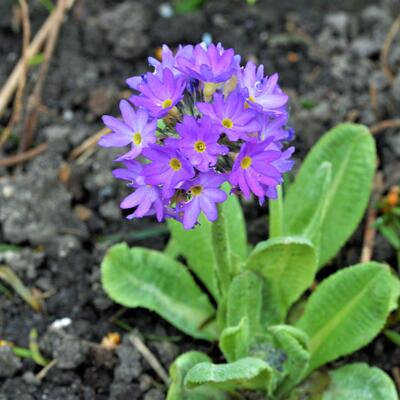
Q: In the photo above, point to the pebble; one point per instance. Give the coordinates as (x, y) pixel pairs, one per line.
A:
(10, 364)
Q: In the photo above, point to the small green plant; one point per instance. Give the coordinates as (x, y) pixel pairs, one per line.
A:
(274, 331)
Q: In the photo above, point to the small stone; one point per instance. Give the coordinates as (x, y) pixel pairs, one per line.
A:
(71, 353)
(165, 10)
(375, 15)
(30, 378)
(10, 364)
(123, 391)
(110, 211)
(8, 191)
(365, 47)
(154, 394)
(145, 382)
(339, 23)
(101, 100)
(129, 366)
(82, 212)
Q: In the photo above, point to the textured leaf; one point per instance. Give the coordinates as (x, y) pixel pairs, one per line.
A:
(248, 373)
(288, 266)
(351, 151)
(360, 382)
(294, 344)
(235, 341)
(245, 300)
(346, 311)
(177, 372)
(394, 300)
(196, 244)
(140, 277)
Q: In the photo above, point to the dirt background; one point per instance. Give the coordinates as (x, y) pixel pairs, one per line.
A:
(62, 215)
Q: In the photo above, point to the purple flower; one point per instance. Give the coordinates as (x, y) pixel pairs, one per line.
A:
(169, 167)
(242, 116)
(259, 165)
(212, 64)
(230, 116)
(198, 142)
(274, 127)
(205, 193)
(263, 93)
(159, 94)
(148, 201)
(132, 172)
(168, 60)
(136, 128)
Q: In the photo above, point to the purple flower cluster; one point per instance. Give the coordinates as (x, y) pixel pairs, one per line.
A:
(197, 121)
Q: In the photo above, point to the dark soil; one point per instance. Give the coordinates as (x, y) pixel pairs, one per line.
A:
(63, 217)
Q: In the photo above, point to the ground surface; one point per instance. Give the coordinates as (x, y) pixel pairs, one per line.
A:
(64, 217)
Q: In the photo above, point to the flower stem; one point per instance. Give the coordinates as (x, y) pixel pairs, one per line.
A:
(222, 252)
(276, 215)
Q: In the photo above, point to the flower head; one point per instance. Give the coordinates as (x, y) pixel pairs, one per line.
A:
(136, 129)
(159, 95)
(198, 142)
(204, 193)
(212, 64)
(230, 116)
(200, 120)
(168, 61)
(259, 166)
(263, 93)
(168, 167)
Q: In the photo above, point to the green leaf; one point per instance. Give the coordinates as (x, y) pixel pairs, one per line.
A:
(288, 266)
(48, 4)
(195, 245)
(246, 373)
(393, 336)
(358, 381)
(294, 344)
(394, 299)
(9, 247)
(235, 341)
(37, 59)
(140, 277)
(177, 372)
(245, 300)
(351, 151)
(346, 311)
(11, 278)
(187, 6)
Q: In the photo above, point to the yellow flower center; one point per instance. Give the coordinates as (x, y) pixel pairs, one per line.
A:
(246, 162)
(137, 138)
(196, 190)
(175, 164)
(200, 146)
(249, 99)
(166, 103)
(227, 123)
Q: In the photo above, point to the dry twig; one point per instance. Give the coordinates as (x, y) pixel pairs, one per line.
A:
(23, 157)
(149, 357)
(88, 144)
(370, 230)
(387, 44)
(9, 87)
(396, 376)
(385, 124)
(43, 372)
(26, 37)
(34, 100)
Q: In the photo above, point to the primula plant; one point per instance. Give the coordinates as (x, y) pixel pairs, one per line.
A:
(203, 130)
